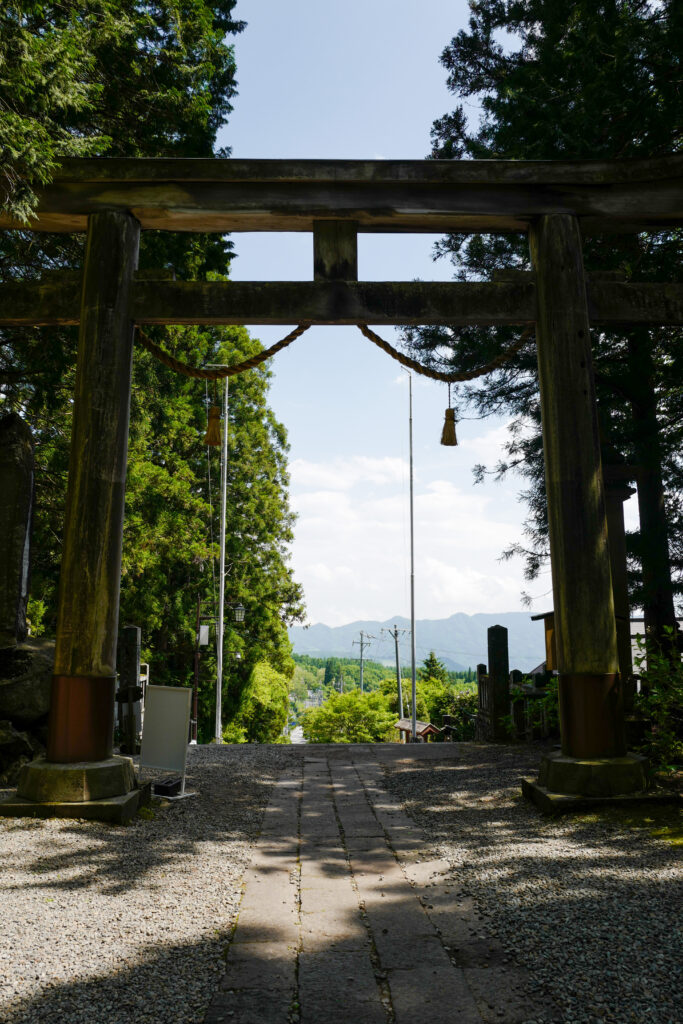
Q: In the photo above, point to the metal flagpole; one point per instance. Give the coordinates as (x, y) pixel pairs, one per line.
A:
(412, 564)
(221, 576)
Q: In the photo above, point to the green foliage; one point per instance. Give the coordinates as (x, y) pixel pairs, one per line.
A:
(35, 613)
(436, 698)
(389, 689)
(462, 706)
(542, 709)
(263, 708)
(48, 78)
(549, 705)
(299, 684)
(309, 664)
(234, 733)
(168, 556)
(108, 77)
(660, 701)
(146, 79)
(348, 669)
(351, 717)
(441, 698)
(332, 671)
(432, 668)
(436, 694)
(375, 671)
(298, 693)
(576, 79)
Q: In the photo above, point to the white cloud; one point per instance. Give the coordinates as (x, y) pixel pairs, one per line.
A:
(351, 549)
(341, 474)
(488, 448)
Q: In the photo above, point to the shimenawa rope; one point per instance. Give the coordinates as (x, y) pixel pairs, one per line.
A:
(249, 364)
(220, 372)
(448, 378)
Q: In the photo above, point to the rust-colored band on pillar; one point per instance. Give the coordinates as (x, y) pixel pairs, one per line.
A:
(592, 715)
(81, 719)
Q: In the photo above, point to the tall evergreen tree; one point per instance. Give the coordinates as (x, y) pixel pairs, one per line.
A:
(577, 80)
(144, 79)
(332, 671)
(433, 668)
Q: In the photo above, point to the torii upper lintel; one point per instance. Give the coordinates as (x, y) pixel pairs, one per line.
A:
(378, 195)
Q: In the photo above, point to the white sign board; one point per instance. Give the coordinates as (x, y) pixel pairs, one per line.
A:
(165, 728)
(203, 636)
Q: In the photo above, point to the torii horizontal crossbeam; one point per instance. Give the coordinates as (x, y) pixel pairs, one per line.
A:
(57, 301)
(377, 195)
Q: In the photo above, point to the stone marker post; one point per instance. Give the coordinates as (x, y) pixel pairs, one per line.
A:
(129, 684)
(499, 676)
(481, 730)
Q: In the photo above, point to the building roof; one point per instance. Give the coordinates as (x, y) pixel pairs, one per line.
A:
(423, 728)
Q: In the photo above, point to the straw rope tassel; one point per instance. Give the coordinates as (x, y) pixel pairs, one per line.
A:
(448, 433)
(448, 436)
(213, 430)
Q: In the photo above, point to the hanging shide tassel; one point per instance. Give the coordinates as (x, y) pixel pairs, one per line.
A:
(213, 430)
(448, 433)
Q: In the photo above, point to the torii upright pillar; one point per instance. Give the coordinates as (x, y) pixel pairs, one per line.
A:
(79, 766)
(594, 761)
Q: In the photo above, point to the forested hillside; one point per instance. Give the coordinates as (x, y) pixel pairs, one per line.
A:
(345, 714)
(460, 640)
(344, 673)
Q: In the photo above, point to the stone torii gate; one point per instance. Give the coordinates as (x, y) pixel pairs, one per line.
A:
(554, 202)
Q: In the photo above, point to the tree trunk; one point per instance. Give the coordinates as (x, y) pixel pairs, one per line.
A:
(658, 595)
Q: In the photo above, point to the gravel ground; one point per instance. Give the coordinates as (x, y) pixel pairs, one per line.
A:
(122, 925)
(113, 924)
(590, 904)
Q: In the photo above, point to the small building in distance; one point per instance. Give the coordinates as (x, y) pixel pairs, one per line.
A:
(425, 730)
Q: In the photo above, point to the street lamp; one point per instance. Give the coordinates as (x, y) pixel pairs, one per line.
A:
(239, 612)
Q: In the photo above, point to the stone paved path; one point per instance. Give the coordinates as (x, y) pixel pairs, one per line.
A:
(345, 918)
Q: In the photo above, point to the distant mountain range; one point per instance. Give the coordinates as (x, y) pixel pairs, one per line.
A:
(459, 641)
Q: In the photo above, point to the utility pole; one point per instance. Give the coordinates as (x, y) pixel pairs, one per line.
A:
(221, 588)
(195, 686)
(365, 641)
(412, 565)
(218, 730)
(394, 633)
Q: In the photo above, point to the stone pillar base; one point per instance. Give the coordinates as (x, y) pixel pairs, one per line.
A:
(603, 776)
(101, 790)
(570, 783)
(84, 780)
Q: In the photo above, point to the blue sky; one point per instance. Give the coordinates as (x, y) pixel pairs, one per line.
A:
(363, 80)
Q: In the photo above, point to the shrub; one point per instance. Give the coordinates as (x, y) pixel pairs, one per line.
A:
(661, 701)
(462, 705)
(263, 708)
(352, 717)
